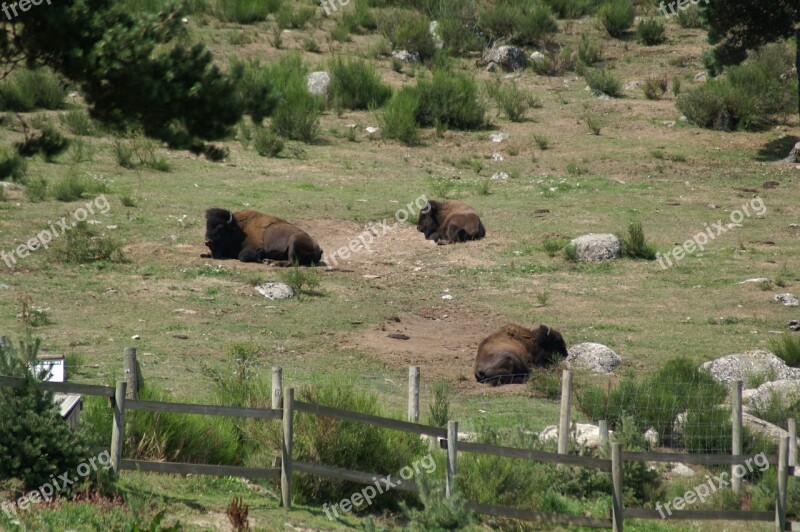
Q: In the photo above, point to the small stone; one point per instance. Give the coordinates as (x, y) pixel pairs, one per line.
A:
(371, 129)
(711, 206)
(757, 280)
(700, 76)
(497, 157)
(498, 137)
(535, 56)
(184, 311)
(600, 95)
(634, 85)
(500, 176)
(789, 300)
(406, 56)
(447, 297)
(399, 336)
(136, 337)
(682, 470)
(275, 291)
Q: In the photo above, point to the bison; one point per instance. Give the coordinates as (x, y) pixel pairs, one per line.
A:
(252, 236)
(448, 222)
(506, 356)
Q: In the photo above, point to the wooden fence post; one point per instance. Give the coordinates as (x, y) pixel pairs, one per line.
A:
(118, 428)
(736, 424)
(277, 387)
(131, 373)
(413, 394)
(783, 479)
(564, 418)
(452, 458)
(616, 487)
(792, 442)
(603, 428)
(286, 448)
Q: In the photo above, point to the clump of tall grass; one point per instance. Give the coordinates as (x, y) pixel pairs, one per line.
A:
(616, 16)
(604, 81)
(356, 85)
(84, 245)
(398, 118)
(74, 185)
(25, 90)
(246, 11)
(787, 348)
(12, 165)
(635, 245)
(513, 101)
(78, 122)
(408, 29)
(297, 115)
(650, 32)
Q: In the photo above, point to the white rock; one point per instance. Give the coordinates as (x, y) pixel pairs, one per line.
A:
(498, 137)
(500, 176)
(789, 300)
(596, 247)
(184, 311)
(758, 280)
(633, 85)
(406, 56)
(651, 437)
(497, 157)
(535, 56)
(433, 29)
(510, 58)
(318, 82)
(371, 129)
(682, 470)
(741, 366)
(786, 392)
(136, 337)
(275, 290)
(700, 76)
(585, 434)
(594, 357)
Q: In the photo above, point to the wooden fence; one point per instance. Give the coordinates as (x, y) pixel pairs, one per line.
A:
(284, 407)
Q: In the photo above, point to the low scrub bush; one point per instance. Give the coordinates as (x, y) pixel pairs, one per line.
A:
(303, 281)
(356, 85)
(289, 16)
(74, 185)
(604, 81)
(48, 142)
(459, 35)
(398, 118)
(616, 16)
(36, 189)
(78, 122)
(246, 11)
(85, 245)
(408, 30)
(12, 165)
(524, 23)
(440, 408)
(255, 86)
(267, 143)
(139, 151)
(656, 401)
(438, 511)
(511, 100)
(655, 87)
(750, 96)
(344, 444)
(634, 243)
(555, 62)
(572, 9)
(589, 52)
(690, 18)
(451, 100)
(650, 32)
(297, 115)
(25, 90)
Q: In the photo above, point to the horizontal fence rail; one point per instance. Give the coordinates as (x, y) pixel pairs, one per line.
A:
(700, 515)
(530, 454)
(377, 421)
(61, 387)
(180, 468)
(208, 410)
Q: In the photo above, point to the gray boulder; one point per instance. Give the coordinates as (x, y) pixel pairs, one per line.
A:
(789, 300)
(509, 58)
(318, 83)
(275, 290)
(741, 366)
(406, 56)
(597, 247)
(594, 357)
(786, 392)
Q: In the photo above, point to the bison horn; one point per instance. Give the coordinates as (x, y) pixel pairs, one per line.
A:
(548, 330)
(230, 221)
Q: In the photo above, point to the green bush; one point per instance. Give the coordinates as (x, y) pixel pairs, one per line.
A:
(524, 23)
(256, 88)
(604, 81)
(73, 186)
(634, 243)
(459, 36)
(84, 245)
(35, 443)
(297, 115)
(408, 30)
(324, 440)
(616, 16)
(139, 151)
(690, 18)
(12, 165)
(572, 9)
(36, 189)
(536, 23)
(288, 16)
(589, 52)
(398, 118)
(650, 32)
(440, 408)
(246, 11)
(554, 62)
(787, 348)
(356, 85)
(450, 99)
(513, 101)
(438, 512)
(750, 96)
(267, 143)
(655, 402)
(654, 87)
(25, 90)
(78, 122)
(49, 142)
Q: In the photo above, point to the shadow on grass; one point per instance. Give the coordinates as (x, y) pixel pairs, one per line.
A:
(777, 149)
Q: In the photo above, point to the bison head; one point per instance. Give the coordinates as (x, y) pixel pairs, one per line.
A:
(550, 346)
(428, 223)
(224, 237)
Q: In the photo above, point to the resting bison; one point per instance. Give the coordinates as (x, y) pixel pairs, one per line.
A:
(447, 222)
(252, 236)
(507, 355)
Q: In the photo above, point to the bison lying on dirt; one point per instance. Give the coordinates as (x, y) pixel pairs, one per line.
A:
(506, 356)
(252, 236)
(447, 222)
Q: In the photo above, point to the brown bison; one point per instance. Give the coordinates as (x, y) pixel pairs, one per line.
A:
(252, 236)
(448, 222)
(507, 355)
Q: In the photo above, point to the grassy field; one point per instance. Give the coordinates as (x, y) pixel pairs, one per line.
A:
(646, 165)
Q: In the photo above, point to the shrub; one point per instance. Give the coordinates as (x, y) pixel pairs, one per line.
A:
(604, 81)
(36, 189)
(12, 165)
(543, 141)
(297, 115)
(514, 102)
(356, 85)
(440, 408)
(408, 30)
(589, 53)
(656, 400)
(451, 100)
(78, 122)
(554, 62)
(84, 245)
(690, 18)
(523, 23)
(49, 142)
(552, 246)
(302, 280)
(288, 16)
(654, 87)
(345, 444)
(616, 16)
(438, 512)
(459, 36)
(650, 32)
(777, 409)
(572, 9)
(139, 151)
(398, 118)
(267, 143)
(594, 123)
(787, 348)
(73, 186)
(246, 11)
(750, 96)
(31, 423)
(634, 243)
(256, 88)
(25, 90)
(571, 252)
(536, 23)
